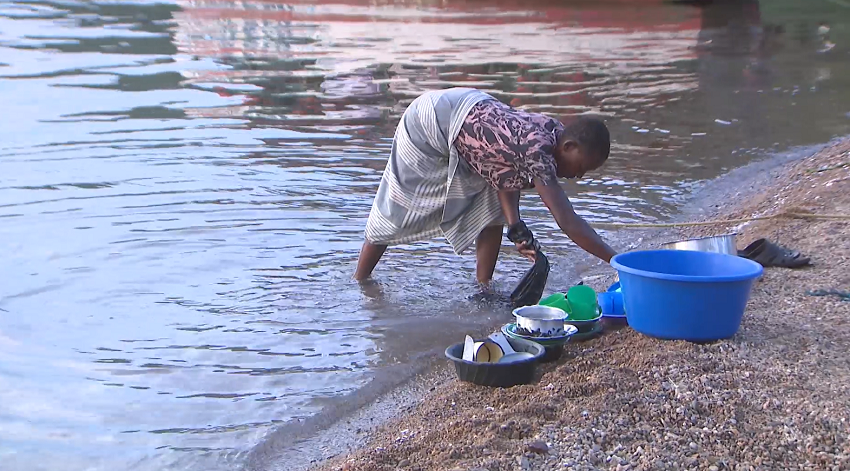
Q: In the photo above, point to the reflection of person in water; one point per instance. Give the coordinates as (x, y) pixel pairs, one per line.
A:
(459, 160)
(734, 44)
(730, 65)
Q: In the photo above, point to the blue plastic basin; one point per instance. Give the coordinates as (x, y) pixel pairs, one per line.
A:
(685, 295)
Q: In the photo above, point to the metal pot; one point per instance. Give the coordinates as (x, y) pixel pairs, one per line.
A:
(724, 243)
(540, 321)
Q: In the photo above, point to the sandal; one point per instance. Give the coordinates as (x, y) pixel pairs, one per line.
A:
(768, 254)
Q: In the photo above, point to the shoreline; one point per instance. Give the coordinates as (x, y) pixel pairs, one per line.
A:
(775, 396)
(346, 434)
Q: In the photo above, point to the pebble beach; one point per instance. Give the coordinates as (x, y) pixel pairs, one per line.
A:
(775, 396)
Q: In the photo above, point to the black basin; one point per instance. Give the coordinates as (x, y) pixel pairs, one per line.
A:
(500, 375)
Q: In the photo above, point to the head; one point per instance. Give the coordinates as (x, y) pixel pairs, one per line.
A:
(583, 146)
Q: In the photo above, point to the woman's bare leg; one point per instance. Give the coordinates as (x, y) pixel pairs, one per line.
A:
(487, 252)
(370, 254)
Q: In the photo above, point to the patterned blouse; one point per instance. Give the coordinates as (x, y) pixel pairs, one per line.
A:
(509, 147)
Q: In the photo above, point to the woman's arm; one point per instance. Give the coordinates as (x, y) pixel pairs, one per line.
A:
(571, 223)
(509, 199)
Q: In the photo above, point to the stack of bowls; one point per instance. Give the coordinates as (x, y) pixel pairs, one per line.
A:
(581, 305)
(611, 303)
(544, 325)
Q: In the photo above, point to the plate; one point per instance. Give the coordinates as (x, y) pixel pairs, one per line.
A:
(570, 330)
(512, 357)
(586, 321)
(594, 332)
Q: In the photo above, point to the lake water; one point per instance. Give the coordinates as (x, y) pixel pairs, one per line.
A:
(184, 187)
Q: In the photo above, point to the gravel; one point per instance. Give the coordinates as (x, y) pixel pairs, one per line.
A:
(776, 396)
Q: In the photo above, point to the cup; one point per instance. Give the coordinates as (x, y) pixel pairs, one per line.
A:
(500, 339)
(611, 303)
(487, 352)
(583, 303)
(557, 300)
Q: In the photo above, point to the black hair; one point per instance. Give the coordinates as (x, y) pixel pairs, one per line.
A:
(592, 136)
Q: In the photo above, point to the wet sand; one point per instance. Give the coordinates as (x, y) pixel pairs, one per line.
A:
(775, 396)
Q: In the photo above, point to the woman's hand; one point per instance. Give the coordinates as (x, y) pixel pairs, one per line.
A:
(521, 236)
(526, 250)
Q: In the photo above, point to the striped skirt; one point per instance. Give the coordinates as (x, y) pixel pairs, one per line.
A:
(426, 190)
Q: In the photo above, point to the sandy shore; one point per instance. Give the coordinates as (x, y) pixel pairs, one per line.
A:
(776, 396)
